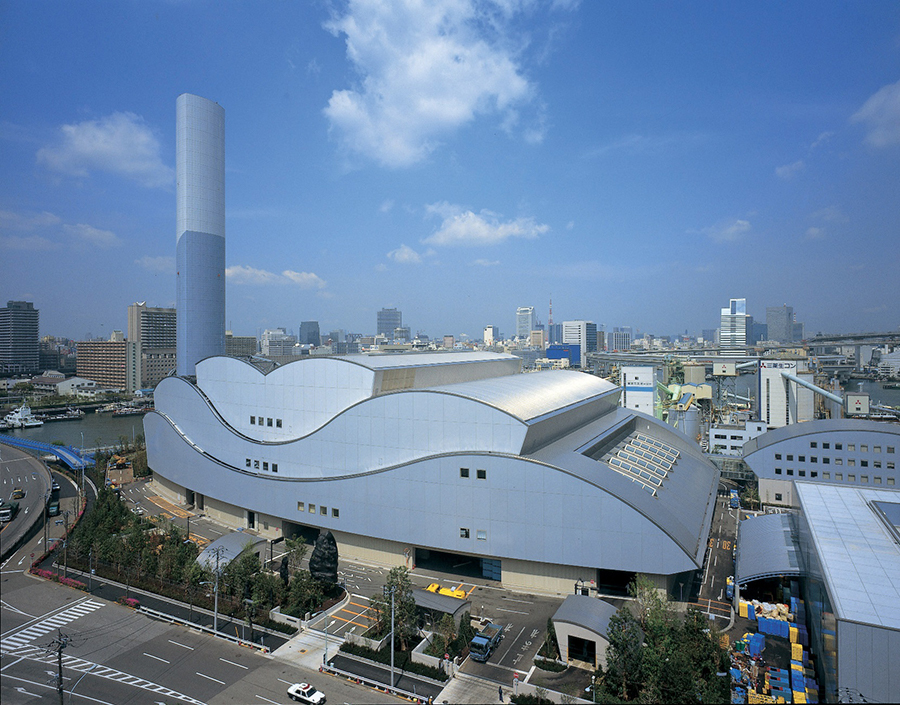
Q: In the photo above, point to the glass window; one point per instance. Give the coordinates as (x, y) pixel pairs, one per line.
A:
(876, 463)
(252, 420)
(481, 535)
(249, 462)
(778, 496)
(277, 423)
(876, 449)
(851, 478)
(777, 471)
(464, 472)
(813, 444)
(838, 446)
(777, 456)
(323, 511)
(877, 480)
(256, 465)
(790, 471)
(312, 508)
(268, 422)
(863, 463)
(482, 474)
(863, 448)
(335, 513)
(801, 459)
(851, 462)
(890, 449)
(863, 478)
(463, 533)
(265, 465)
(790, 457)
(890, 481)
(851, 446)
(274, 467)
(813, 473)
(813, 459)
(838, 461)
(826, 461)
(839, 476)
(301, 507)
(826, 475)
(802, 473)
(826, 446)
(890, 464)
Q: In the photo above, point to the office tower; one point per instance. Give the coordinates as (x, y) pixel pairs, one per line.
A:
(338, 335)
(538, 339)
(402, 333)
(734, 327)
(621, 338)
(200, 230)
(798, 331)
(782, 400)
(240, 345)
(491, 335)
(780, 322)
(276, 341)
(525, 321)
(388, 320)
(757, 332)
(153, 332)
(554, 332)
(19, 346)
(107, 362)
(309, 333)
(581, 333)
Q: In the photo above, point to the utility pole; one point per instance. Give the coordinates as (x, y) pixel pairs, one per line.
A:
(66, 546)
(61, 642)
(391, 589)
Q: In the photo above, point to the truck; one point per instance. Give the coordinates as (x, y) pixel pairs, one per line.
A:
(735, 499)
(485, 641)
(8, 511)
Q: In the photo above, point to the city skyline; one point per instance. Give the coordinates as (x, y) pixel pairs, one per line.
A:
(642, 164)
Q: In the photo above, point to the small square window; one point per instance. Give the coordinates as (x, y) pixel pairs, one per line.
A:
(268, 422)
(335, 513)
(813, 459)
(312, 508)
(890, 464)
(890, 481)
(839, 476)
(890, 449)
(864, 448)
(265, 465)
(839, 446)
(778, 496)
(463, 533)
(802, 473)
(851, 462)
(851, 446)
(248, 462)
(801, 459)
(790, 471)
(277, 423)
(838, 461)
(851, 478)
(256, 465)
(482, 474)
(301, 507)
(252, 420)
(826, 475)
(464, 472)
(481, 535)
(274, 467)
(876, 463)
(813, 473)
(323, 511)
(777, 471)
(826, 446)
(813, 444)
(790, 458)
(863, 478)
(876, 449)
(863, 463)
(777, 456)
(877, 480)
(826, 461)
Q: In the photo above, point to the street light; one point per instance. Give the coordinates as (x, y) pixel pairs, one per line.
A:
(385, 590)
(218, 552)
(325, 655)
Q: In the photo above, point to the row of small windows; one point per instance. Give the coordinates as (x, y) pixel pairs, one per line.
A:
(837, 461)
(479, 473)
(863, 448)
(264, 421)
(322, 510)
(838, 476)
(480, 534)
(255, 465)
(725, 437)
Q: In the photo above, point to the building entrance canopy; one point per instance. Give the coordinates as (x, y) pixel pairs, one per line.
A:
(767, 547)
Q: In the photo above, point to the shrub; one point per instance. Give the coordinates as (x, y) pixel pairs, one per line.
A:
(550, 665)
(129, 602)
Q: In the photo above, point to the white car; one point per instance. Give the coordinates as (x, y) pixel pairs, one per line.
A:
(305, 693)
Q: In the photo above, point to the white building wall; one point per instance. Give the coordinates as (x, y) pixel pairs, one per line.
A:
(639, 389)
(781, 401)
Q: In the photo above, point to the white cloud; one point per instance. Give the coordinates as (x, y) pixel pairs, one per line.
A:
(485, 263)
(120, 143)
(814, 233)
(164, 265)
(386, 206)
(789, 170)
(27, 243)
(881, 114)
(239, 274)
(461, 227)
(93, 236)
(404, 255)
(727, 232)
(17, 221)
(426, 69)
(305, 280)
(821, 139)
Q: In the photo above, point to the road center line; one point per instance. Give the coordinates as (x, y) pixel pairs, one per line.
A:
(203, 675)
(181, 645)
(284, 681)
(156, 657)
(239, 665)
(266, 699)
(500, 609)
(524, 602)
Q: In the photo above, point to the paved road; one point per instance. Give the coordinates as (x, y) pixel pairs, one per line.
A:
(20, 470)
(719, 561)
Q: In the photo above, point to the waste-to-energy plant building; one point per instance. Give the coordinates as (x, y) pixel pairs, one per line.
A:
(538, 480)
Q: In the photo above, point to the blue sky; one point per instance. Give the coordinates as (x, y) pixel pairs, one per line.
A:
(641, 163)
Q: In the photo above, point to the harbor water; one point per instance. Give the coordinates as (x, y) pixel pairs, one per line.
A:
(96, 430)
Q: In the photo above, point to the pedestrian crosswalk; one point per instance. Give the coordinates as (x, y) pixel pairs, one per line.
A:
(79, 665)
(50, 624)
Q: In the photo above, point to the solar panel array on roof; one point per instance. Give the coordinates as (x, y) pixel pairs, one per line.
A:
(644, 460)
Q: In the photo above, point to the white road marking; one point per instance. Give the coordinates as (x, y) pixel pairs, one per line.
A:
(203, 675)
(181, 645)
(239, 665)
(524, 602)
(500, 609)
(266, 699)
(156, 657)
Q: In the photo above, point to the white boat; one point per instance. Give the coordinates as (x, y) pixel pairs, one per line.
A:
(22, 418)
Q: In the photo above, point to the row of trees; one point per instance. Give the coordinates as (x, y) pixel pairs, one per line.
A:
(655, 655)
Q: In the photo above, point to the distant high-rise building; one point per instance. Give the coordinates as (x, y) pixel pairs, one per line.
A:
(276, 341)
(583, 334)
(107, 362)
(388, 320)
(491, 335)
(525, 321)
(554, 333)
(338, 335)
(240, 345)
(200, 230)
(153, 331)
(734, 327)
(758, 331)
(783, 401)
(19, 346)
(620, 338)
(449, 342)
(309, 333)
(780, 322)
(798, 331)
(537, 339)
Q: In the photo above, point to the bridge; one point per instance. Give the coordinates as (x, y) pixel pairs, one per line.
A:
(67, 454)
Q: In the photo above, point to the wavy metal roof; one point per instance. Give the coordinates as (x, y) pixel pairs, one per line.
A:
(767, 547)
(530, 396)
(382, 361)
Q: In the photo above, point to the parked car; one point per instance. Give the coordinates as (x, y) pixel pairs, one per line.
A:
(53, 508)
(305, 693)
(18, 493)
(54, 486)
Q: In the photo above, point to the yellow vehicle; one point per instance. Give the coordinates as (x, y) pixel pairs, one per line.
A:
(449, 592)
(18, 493)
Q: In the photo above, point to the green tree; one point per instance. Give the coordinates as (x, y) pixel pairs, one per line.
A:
(304, 594)
(296, 549)
(624, 675)
(405, 629)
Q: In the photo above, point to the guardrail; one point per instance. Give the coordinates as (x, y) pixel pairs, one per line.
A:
(377, 685)
(171, 619)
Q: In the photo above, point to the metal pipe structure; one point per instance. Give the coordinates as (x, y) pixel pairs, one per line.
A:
(814, 388)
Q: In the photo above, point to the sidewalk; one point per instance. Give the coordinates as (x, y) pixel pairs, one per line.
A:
(469, 689)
